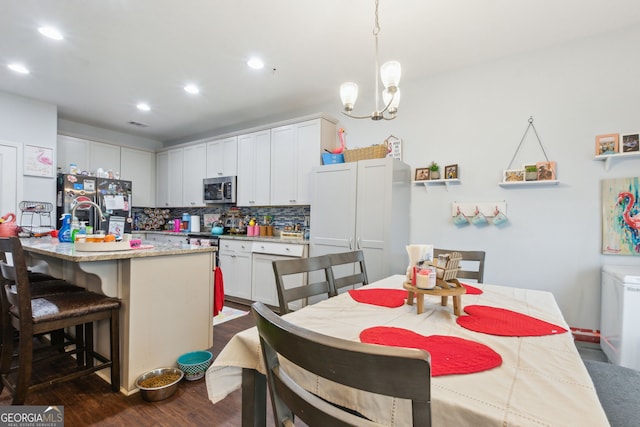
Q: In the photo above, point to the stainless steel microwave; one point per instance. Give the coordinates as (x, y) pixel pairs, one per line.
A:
(220, 190)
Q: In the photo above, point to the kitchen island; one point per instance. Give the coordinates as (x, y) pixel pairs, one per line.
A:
(166, 291)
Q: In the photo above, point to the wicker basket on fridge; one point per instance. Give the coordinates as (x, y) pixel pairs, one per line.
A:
(366, 153)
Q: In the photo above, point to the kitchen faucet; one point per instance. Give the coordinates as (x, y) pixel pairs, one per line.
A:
(77, 203)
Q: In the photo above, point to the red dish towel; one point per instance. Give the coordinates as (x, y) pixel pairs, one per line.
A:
(218, 291)
(449, 355)
(383, 297)
(507, 323)
(471, 290)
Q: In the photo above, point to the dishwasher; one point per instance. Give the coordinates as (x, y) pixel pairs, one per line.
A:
(263, 280)
(620, 315)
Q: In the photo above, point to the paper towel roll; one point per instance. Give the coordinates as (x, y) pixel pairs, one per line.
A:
(195, 224)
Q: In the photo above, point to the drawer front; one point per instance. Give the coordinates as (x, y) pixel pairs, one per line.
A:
(284, 249)
(225, 245)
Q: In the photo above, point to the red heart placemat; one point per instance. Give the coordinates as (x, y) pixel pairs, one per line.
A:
(449, 355)
(507, 323)
(383, 297)
(471, 290)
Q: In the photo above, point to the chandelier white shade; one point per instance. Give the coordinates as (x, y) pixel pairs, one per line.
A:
(389, 74)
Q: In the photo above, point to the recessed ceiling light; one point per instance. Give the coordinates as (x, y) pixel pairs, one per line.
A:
(143, 106)
(255, 63)
(50, 32)
(192, 89)
(18, 68)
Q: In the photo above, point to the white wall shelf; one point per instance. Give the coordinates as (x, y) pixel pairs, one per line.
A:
(608, 157)
(541, 183)
(444, 182)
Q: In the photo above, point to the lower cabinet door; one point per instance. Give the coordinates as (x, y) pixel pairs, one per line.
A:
(236, 273)
(264, 279)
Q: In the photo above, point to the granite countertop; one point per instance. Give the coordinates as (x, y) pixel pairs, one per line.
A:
(274, 239)
(66, 251)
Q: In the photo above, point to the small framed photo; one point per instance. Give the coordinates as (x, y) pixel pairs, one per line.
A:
(546, 171)
(451, 172)
(607, 144)
(513, 175)
(630, 142)
(422, 174)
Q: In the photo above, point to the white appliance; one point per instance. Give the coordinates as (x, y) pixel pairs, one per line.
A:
(620, 315)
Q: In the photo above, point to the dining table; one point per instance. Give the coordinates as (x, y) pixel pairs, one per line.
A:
(536, 376)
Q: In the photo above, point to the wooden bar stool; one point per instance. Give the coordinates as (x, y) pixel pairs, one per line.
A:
(45, 314)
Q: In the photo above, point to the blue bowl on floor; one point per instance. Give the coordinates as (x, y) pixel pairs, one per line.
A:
(194, 364)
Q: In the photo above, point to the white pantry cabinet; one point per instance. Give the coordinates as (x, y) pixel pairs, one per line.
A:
(254, 168)
(194, 171)
(139, 167)
(295, 150)
(363, 205)
(235, 262)
(222, 157)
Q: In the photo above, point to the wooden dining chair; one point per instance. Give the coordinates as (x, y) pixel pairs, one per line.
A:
(354, 258)
(472, 263)
(392, 371)
(298, 287)
(45, 314)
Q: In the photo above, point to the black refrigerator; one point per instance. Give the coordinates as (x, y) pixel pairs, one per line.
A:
(112, 195)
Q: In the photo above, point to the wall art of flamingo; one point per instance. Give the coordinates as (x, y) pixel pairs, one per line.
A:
(631, 221)
(43, 158)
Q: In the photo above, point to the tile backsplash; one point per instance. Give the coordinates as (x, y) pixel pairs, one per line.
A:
(159, 219)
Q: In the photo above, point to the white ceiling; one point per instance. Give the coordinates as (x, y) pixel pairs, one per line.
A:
(119, 52)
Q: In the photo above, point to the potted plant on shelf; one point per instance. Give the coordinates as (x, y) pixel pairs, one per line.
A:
(435, 171)
(530, 173)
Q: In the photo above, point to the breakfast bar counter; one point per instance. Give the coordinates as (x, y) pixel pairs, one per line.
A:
(166, 291)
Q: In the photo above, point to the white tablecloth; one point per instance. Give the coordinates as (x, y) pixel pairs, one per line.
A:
(541, 382)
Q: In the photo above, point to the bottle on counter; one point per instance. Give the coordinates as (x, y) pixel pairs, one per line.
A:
(186, 218)
(64, 234)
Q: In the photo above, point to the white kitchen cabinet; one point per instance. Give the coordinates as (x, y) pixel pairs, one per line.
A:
(363, 205)
(139, 167)
(263, 286)
(295, 150)
(73, 150)
(87, 155)
(194, 171)
(222, 157)
(235, 262)
(162, 179)
(166, 238)
(175, 176)
(105, 156)
(254, 168)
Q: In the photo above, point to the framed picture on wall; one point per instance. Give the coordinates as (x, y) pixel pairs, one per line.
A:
(630, 142)
(619, 224)
(422, 174)
(451, 172)
(546, 171)
(513, 175)
(38, 161)
(607, 144)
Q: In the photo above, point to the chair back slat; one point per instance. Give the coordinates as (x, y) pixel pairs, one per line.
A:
(304, 266)
(355, 258)
(392, 371)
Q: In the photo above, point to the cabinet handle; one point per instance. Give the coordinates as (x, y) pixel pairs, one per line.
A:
(350, 244)
(286, 249)
(359, 245)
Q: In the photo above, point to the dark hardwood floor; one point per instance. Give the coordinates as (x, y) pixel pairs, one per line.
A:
(89, 401)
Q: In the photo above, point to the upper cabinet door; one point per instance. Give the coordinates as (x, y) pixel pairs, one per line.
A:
(222, 157)
(162, 179)
(139, 167)
(254, 168)
(194, 171)
(105, 156)
(175, 173)
(73, 150)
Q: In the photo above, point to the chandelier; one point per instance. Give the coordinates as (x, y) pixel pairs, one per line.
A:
(389, 73)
